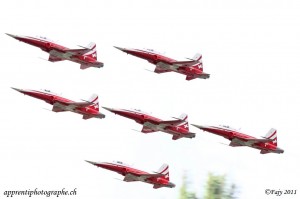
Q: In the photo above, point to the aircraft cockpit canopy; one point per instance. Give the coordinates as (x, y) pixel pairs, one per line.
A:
(140, 111)
(47, 91)
(44, 38)
(120, 163)
(152, 51)
(227, 126)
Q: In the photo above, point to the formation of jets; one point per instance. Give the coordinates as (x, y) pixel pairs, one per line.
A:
(178, 127)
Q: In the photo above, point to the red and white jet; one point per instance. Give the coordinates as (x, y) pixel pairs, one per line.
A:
(86, 56)
(179, 127)
(89, 109)
(192, 68)
(267, 144)
(158, 179)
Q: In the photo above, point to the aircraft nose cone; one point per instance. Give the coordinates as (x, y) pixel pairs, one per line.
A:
(119, 48)
(93, 163)
(106, 108)
(11, 35)
(17, 89)
(198, 126)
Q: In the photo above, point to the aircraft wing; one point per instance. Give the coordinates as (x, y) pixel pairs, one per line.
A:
(254, 141)
(185, 63)
(147, 130)
(130, 178)
(170, 122)
(78, 51)
(59, 106)
(77, 104)
(179, 63)
(147, 175)
(160, 70)
(235, 144)
(57, 109)
(247, 142)
(54, 59)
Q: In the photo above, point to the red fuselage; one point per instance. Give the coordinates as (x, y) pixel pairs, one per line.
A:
(155, 58)
(124, 170)
(143, 118)
(52, 98)
(48, 46)
(231, 134)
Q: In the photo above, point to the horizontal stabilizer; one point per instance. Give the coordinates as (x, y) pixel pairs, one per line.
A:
(264, 152)
(84, 66)
(85, 117)
(201, 76)
(190, 135)
(156, 186)
(176, 137)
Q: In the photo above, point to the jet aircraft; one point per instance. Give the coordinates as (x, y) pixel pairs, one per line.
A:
(192, 68)
(89, 109)
(86, 56)
(266, 144)
(158, 179)
(179, 127)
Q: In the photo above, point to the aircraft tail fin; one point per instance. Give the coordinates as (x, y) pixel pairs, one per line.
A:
(94, 100)
(93, 51)
(164, 169)
(185, 123)
(94, 106)
(272, 134)
(198, 57)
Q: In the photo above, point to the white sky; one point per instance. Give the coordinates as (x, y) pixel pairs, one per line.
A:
(251, 49)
